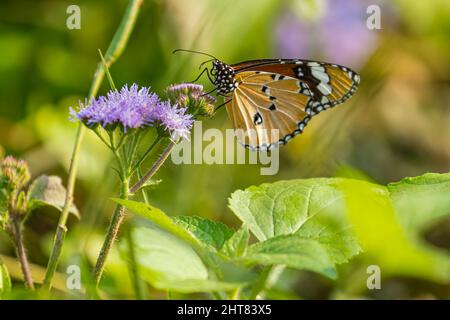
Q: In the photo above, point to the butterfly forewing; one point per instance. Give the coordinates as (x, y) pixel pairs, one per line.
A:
(274, 99)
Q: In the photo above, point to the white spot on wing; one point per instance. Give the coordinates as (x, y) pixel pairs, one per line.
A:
(324, 88)
(320, 75)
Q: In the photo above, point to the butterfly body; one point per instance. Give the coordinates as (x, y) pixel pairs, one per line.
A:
(272, 100)
(224, 78)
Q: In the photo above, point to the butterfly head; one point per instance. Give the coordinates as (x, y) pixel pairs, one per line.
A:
(223, 76)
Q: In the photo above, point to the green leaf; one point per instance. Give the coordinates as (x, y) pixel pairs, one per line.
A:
(388, 228)
(168, 263)
(108, 74)
(236, 245)
(159, 218)
(387, 221)
(421, 201)
(340, 244)
(301, 224)
(5, 280)
(292, 251)
(229, 273)
(151, 183)
(313, 247)
(209, 232)
(48, 191)
(282, 207)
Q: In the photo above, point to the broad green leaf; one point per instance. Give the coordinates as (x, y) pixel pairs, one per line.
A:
(292, 251)
(387, 241)
(282, 207)
(421, 201)
(169, 263)
(5, 280)
(292, 218)
(313, 247)
(340, 244)
(159, 218)
(209, 232)
(48, 190)
(236, 245)
(190, 285)
(388, 221)
(226, 269)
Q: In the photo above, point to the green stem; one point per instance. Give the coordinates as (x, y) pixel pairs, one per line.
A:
(111, 235)
(269, 275)
(235, 294)
(115, 49)
(146, 153)
(159, 162)
(119, 212)
(143, 190)
(62, 229)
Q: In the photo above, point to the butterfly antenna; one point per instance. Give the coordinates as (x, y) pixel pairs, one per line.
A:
(193, 51)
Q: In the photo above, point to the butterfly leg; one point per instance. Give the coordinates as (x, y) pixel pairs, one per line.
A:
(217, 108)
(201, 73)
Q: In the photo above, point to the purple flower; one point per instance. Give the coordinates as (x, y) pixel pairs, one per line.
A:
(133, 108)
(340, 36)
(175, 120)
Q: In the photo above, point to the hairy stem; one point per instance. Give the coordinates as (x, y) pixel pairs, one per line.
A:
(111, 235)
(154, 168)
(115, 49)
(16, 234)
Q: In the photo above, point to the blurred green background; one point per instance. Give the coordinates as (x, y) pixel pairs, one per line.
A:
(397, 124)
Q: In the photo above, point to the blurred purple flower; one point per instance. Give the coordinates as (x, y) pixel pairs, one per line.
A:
(340, 36)
(133, 108)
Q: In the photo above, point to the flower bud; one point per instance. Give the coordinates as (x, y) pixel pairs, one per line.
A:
(16, 172)
(192, 97)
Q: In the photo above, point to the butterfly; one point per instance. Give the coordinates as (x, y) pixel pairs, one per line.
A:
(270, 101)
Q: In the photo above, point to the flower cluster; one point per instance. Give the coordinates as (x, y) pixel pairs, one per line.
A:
(133, 108)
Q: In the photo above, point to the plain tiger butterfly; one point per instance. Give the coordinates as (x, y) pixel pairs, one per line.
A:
(272, 100)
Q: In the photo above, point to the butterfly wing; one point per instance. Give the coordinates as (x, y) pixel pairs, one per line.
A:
(275, 99)
(267, 112)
